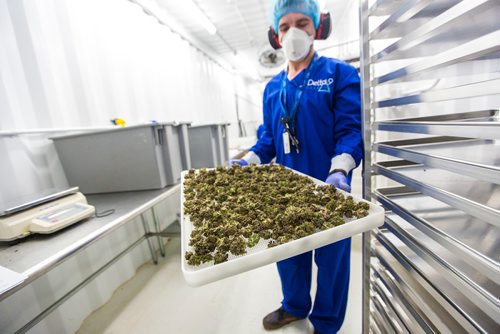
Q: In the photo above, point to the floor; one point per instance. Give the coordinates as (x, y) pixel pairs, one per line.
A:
(158, 300)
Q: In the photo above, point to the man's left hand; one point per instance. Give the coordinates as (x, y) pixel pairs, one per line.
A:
(339, 180)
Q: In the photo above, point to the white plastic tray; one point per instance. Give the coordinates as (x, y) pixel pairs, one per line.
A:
(260, 255)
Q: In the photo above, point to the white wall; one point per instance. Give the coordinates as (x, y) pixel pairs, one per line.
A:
(83, 62)
(249, 97)
(345, 35)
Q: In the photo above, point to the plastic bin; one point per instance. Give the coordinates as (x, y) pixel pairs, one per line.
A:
(175, 144)
(208, 145)
(140, 157)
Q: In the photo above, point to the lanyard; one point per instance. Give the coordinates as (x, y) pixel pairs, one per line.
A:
(289, 114)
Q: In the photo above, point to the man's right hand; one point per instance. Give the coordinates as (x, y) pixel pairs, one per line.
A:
(240, 162)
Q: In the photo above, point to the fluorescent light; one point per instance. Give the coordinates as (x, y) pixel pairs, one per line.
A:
(198, 15)
(188, 7)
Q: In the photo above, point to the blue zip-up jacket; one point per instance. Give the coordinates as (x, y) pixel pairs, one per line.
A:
(328, 120)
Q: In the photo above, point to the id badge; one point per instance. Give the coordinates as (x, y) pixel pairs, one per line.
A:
(286, 142)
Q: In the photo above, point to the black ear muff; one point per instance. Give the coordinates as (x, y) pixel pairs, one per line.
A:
(325, 26)
(273, 38)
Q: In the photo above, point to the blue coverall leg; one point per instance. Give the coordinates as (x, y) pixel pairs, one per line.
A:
(295, 275)
(330, 302)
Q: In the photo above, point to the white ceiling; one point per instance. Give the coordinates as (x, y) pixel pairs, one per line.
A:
(241, 25)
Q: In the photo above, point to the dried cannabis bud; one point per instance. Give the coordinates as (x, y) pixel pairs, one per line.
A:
(233, 209)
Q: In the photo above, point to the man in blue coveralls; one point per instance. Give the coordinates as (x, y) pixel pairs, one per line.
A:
(312, 123)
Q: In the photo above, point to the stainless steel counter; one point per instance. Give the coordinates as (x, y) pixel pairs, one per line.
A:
(37, 254)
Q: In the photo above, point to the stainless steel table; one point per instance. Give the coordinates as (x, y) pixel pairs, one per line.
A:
(38, 254)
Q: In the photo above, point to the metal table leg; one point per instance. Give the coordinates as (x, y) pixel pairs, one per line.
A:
(150, 245)
(158, 230)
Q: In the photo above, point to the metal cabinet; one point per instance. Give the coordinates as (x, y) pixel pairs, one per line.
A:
(431, 99)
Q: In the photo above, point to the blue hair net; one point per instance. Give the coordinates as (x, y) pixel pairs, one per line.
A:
(307, 7)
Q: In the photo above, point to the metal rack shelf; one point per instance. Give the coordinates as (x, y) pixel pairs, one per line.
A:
(477, 158)
(384, 308)
(465, 52)
(478, 89)
(410, 13)
(399, 297)
(481, 124)
(483, 65)
(450, 188)
(450, 227)
(466, 21)
(435, 265)
(446, 307)
(479, 289)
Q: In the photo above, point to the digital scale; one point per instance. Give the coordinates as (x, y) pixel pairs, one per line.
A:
(44, 213)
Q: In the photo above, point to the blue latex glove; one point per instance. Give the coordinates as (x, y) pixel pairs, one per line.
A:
(339, 180)
(240, 162)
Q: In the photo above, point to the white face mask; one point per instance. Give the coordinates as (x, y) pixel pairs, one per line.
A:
(296, 44)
